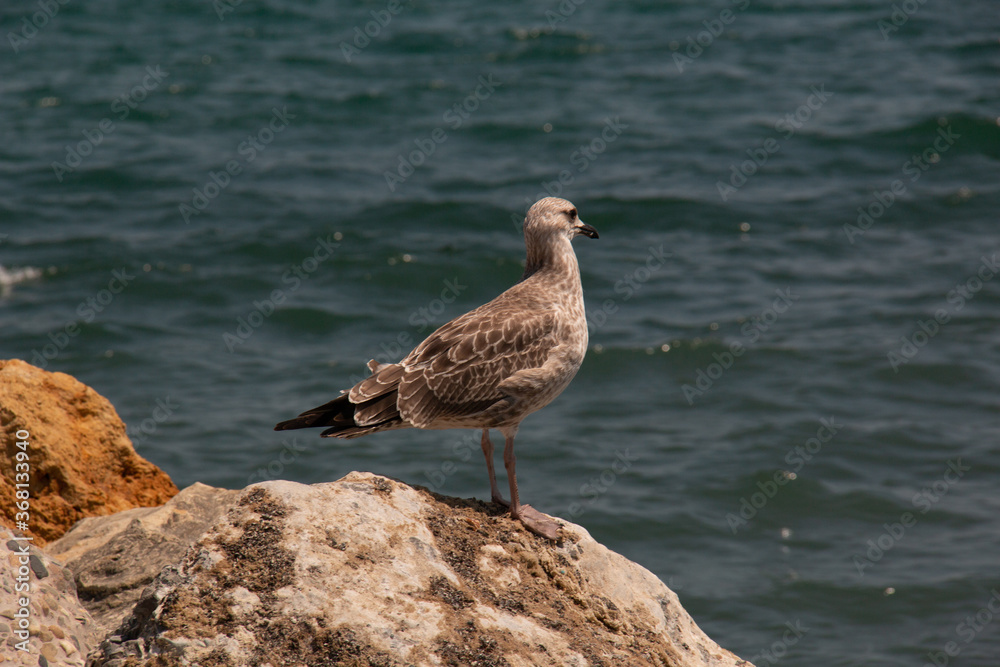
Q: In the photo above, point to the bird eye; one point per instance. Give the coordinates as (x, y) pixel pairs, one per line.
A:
(571, 213)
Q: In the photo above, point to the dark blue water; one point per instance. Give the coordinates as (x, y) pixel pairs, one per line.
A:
(217, 214)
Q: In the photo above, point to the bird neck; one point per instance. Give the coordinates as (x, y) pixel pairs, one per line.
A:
(551, 254)
(554, 261)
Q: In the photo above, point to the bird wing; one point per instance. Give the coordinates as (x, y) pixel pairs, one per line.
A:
(457, 371)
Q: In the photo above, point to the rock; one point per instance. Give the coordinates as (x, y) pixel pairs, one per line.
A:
(60, 630)
(114, 557)
(81, 462)
(370, 571)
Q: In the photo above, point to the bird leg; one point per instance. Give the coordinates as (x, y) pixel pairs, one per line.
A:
(533, 520)
(487, 446)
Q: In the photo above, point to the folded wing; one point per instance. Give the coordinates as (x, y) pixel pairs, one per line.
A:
(457, 371)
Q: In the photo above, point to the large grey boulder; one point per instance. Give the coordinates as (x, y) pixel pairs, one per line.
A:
(114, 557)
(371, 571)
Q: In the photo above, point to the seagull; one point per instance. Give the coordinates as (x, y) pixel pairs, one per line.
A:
(487, 369)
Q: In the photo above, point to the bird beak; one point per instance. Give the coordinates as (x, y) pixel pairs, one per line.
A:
(587, 231)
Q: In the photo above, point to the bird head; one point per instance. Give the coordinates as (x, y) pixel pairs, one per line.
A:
(555, 216)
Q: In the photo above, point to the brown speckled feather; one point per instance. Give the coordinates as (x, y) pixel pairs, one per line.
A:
(456, 372)
(384, 379)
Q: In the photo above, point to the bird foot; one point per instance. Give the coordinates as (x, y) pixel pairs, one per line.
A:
(538, 523)
(501, 500)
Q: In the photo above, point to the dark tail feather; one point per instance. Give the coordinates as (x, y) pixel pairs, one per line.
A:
(338, 414)
(339, 411)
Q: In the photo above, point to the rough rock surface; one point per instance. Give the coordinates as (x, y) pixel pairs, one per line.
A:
(61, 632)
(82, 463)
(370, 571)
(114, 557)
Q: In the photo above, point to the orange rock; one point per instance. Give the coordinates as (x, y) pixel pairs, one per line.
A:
(81, 461)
